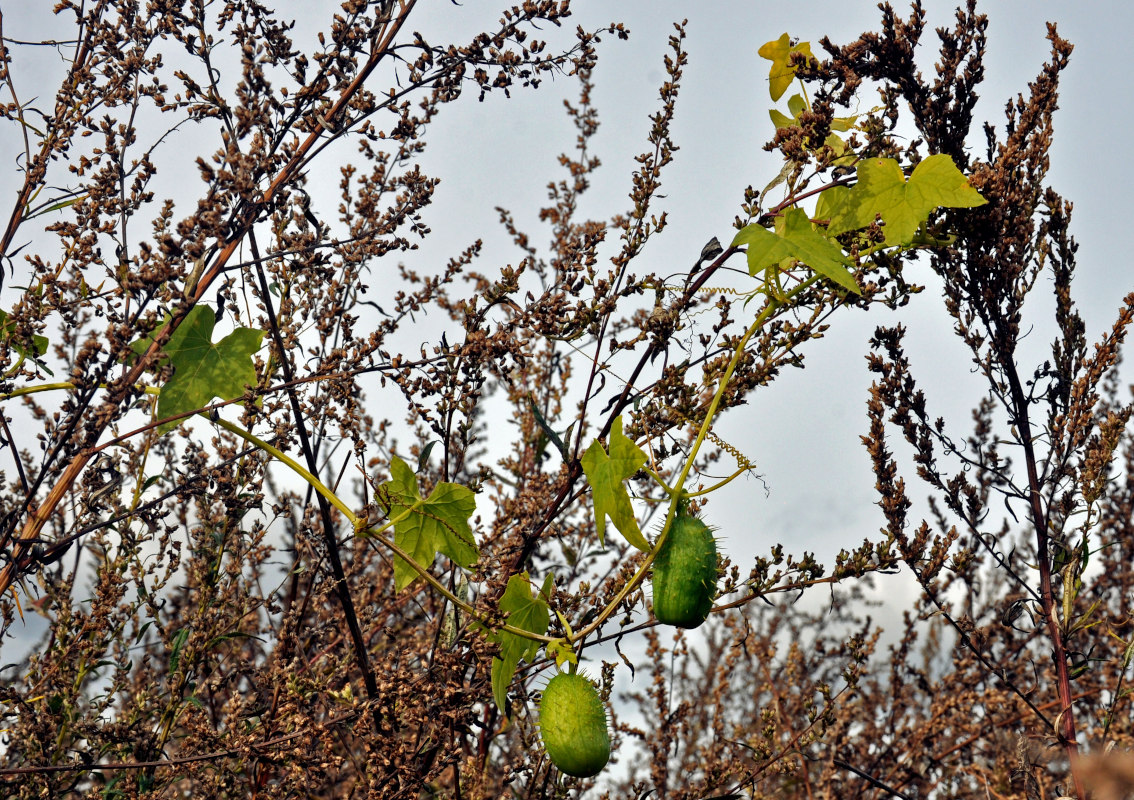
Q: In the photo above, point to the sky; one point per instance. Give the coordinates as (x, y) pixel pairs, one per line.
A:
(804, 430)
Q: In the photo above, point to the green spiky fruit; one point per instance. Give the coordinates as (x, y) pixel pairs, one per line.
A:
(685, 573)
(572, 723)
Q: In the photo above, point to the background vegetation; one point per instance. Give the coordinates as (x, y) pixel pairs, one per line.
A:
(216, 411)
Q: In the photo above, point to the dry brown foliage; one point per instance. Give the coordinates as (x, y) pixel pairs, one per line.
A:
(214, 628)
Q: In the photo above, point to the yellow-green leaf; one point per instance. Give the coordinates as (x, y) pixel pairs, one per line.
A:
(882, 190)
(779, 51)
(437, 523)
(798, 239)
(606, 473)
(797, 105)
(526, 611)
(562, 653)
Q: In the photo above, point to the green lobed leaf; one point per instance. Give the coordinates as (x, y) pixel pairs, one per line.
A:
(797, 105)
(829, 204)
(797, 240)
(846, 157)
(882, 190)
(203, 369)
(781, 74)
(562, 653)
(528, 612)
(437, 523)
(605, 473)
(780, 119)
(525, 611)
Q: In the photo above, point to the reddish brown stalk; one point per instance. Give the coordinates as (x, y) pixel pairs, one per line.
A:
(123, 387)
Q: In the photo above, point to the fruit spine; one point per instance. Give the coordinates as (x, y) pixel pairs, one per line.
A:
(572, 723)
(685, 573)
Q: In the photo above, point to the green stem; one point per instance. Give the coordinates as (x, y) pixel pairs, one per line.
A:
(15, 367)
(660, 482)
(359, 525)
(295, 466)
(42, 387)
(67, 385)
(718, 484)
(356, 522)
(774, 305)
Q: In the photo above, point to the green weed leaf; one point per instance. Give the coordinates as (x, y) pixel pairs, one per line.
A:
(562, 653)
(437, 523)
(798, 239)
(779, 51)
(882, 190)
(605, 473)
(203, 369)
(528, 612)
(178, 642)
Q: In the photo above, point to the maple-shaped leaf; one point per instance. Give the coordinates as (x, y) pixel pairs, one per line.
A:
(797, 105)
(797, 239)
(605, 473)
(437, 523)
(203, 369)
(779, 51)
(525, 611)
(830, 202)
(882, 190)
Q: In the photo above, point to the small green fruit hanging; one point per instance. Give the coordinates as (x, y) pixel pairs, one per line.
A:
(685, 573)
(572, 723)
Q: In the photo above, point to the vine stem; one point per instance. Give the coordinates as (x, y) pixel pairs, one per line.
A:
(357, 522)
(719, 484)
(362, 529)
(773, 305)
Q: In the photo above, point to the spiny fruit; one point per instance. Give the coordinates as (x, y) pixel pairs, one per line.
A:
(685, 573)
(572, 722)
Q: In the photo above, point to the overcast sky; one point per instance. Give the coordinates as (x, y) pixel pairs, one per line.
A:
(803, 431)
